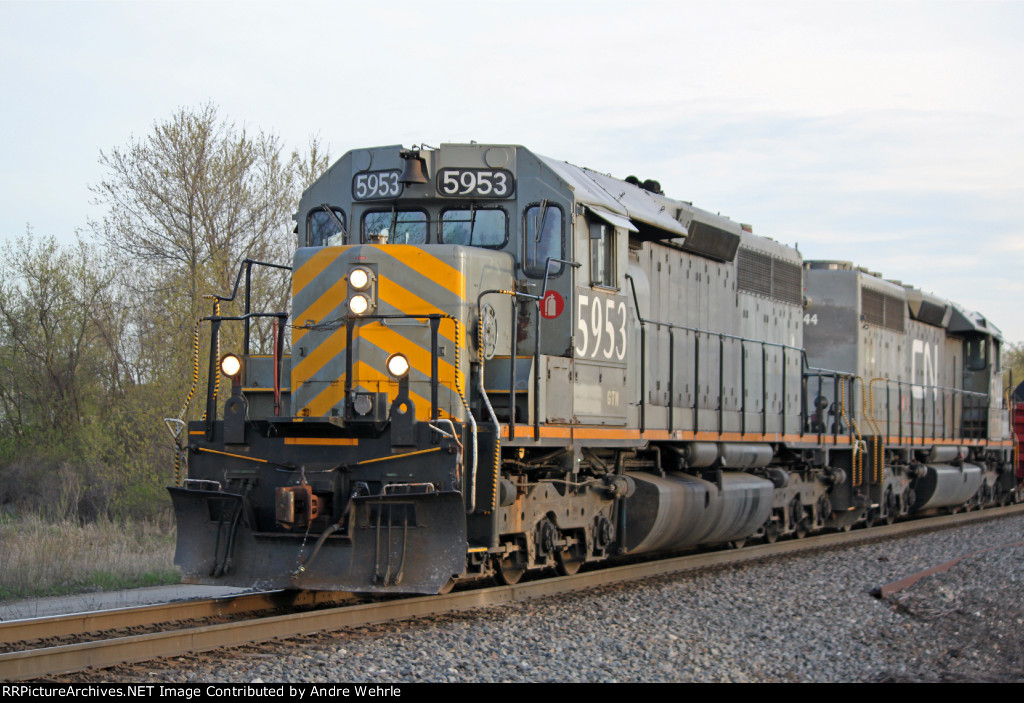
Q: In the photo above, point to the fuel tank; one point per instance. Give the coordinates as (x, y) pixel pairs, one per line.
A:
(680, 510)
(945, 485)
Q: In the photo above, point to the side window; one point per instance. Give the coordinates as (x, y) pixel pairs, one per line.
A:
(602, 255)
(321, 227)
(396, 226)
(542, 238)
(478, 228)
(975, 353)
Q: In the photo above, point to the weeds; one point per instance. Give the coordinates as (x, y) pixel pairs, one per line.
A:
(40, 558)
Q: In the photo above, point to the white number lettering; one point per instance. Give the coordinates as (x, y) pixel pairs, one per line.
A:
(811, 319)
(598, 322)
(484, 185)
(468, 180)
(621, 353)
(376, 184)
(610, 329)
(451, 183)
(596, 313)
(581, 325)
(501, 188)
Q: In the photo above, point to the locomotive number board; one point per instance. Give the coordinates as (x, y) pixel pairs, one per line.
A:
(476, 183)
(377, 185)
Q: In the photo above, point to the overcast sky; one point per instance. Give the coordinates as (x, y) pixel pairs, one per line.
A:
(890, 134)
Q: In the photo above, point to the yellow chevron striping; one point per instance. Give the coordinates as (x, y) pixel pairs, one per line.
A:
(390, 340)
(411, 304)
(326, 399)
(370, 379)
(386, 338)
(314, 266)
(430, 266)
(319, 357)
(319, 309)
(371, 375)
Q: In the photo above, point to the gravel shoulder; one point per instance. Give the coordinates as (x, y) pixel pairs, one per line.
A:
(809, 617)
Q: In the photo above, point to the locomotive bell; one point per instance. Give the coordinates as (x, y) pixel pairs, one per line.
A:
(415, 170)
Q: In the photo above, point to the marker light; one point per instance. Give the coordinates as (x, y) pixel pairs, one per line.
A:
(359, 279)
(358, 304)
(230, 365)
(397, 365)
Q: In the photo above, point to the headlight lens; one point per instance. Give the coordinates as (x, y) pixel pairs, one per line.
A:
(359, 279)
(358, 304)
(397, 365)
(230, 365)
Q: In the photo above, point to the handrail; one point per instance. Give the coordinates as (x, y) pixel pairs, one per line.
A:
(247, 265)
(969, 400)
(722, 336)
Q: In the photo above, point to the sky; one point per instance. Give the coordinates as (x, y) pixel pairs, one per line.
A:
(890, 134)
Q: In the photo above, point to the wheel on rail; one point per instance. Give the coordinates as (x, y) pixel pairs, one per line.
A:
(771, 534)
(509, 568)
(737, 544)
(447, 588)
(568, 561)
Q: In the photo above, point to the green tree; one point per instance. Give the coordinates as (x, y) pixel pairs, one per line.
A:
(72, 439)
(185, 205)
(55, 310)
(96, 338)
(1013, 363)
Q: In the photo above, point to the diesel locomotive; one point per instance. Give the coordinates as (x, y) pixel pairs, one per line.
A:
(497, 363)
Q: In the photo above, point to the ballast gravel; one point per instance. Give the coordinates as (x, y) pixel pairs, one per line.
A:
(807, 617)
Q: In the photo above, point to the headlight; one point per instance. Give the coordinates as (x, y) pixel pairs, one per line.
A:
(230, 365)
(358, 304)
(359, 279)
(397, 365)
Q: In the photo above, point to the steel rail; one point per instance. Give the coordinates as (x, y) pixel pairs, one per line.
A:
(83, 623)
(124, 650)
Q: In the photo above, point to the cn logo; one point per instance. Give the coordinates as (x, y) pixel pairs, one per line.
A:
(552, 304)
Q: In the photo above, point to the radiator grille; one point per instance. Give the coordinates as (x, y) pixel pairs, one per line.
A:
(882, 310)
(764, 275)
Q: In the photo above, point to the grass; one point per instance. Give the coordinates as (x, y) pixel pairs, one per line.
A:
(40, 558)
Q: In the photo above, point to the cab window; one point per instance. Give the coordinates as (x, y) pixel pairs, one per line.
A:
(396, 226)
(602, 255)
(321, 227)
(542, 239)
(475, 227)
(976, 353)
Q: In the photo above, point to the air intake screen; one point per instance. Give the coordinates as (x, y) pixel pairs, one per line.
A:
(764, 275)
(882, 310)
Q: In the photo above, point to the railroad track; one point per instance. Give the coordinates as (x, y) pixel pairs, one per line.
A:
(44, 659)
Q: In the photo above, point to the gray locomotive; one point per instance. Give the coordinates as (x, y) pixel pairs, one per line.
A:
(502, 363)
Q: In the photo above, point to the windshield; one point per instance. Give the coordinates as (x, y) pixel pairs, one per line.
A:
(396, 226)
